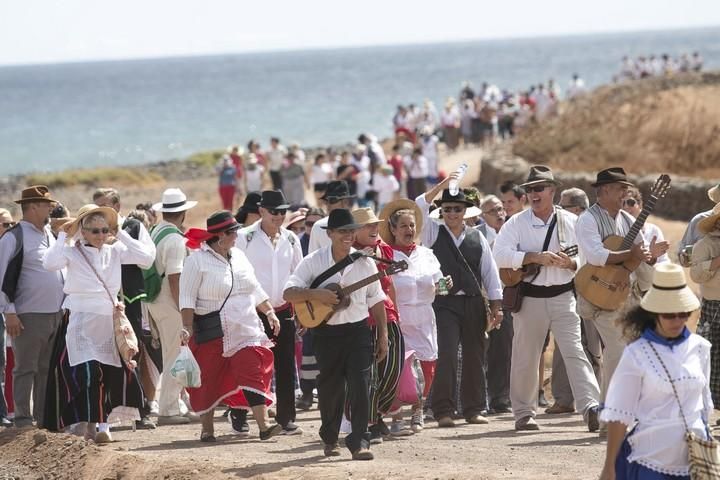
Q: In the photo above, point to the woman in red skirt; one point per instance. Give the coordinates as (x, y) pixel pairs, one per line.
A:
(219, 300)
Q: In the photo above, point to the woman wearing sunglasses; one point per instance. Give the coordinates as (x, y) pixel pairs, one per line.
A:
(663, 357)
(89, 385)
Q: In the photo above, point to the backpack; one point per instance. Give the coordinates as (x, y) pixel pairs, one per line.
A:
(151, 277)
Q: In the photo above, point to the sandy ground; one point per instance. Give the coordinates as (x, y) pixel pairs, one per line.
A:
(562, 449)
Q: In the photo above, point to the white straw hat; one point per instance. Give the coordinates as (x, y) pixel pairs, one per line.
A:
(669, 292)
(174, 200)
(470, 212)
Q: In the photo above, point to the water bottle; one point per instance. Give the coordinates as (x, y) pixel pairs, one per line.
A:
(455, 183)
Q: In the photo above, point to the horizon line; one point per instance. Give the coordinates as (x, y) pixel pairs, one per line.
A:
(313, 48)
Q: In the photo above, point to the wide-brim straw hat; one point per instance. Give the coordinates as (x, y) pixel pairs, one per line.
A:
(470, 212)
(707, 224)
(295, 217)
(35, 193)
(174, 200)
(365, 216)
(111, 217)
(669, 292)
(392, 207)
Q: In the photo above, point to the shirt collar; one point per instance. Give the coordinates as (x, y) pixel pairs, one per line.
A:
(652, 336)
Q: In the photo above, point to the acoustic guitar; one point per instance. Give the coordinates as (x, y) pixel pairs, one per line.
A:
(313, 314)
(607, 287)
(511, 277)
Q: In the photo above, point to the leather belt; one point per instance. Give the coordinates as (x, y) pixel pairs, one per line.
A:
(537, 291)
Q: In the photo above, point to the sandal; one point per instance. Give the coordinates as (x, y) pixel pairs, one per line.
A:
(207, 437)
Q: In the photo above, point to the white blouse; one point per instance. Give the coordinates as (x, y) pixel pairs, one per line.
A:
(414, 294)
(640, 392)
(205, 283)
(90, 334)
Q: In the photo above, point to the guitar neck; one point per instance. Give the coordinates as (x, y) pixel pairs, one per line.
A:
(362, 283)
(639, 222)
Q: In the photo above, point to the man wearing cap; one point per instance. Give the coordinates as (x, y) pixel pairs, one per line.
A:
(538, 236)
(31, 301)
(275, 252)
(164, 310)
(248, 213)
(692, 234)
(336, 196)
(603, 219)
(344, 345)
(465, 255)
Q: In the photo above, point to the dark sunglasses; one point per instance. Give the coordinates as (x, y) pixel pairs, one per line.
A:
(535, 188)
(681, 315)
(8, 224)
(630, 202)
(453, 209)
(277, 211)
(97, 231)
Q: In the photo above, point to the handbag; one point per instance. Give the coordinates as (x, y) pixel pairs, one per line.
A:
(125, 339)
(703, 455)
(512, 296)
(208, 326)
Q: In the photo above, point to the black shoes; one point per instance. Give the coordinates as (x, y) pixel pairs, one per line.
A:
(145, 424)
(304, 402)
(270, 432)
(238, 421)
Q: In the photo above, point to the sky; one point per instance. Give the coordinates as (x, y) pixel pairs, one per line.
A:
(49, 31)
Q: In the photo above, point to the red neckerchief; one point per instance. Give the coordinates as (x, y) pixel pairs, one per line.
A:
(406, 250)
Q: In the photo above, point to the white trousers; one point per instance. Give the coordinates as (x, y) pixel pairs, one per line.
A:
(166, 317)
(531, 324)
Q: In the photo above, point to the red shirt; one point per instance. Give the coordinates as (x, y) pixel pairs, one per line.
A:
(237, 161)
(397, 165)
(383, 250)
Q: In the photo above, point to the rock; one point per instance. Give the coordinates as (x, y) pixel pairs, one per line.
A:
(39, 438)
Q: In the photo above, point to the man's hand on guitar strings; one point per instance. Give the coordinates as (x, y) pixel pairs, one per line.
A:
(639, 252)
(565, 261)
(328, 297)
(549, 259)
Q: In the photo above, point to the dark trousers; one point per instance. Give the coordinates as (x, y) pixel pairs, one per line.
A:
(284, 353)
(461, 320)
(276, 179)
(498, 363)
(345, 356)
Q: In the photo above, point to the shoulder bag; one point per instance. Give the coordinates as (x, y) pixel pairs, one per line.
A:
(513, 295)
(703, 455)
(208, 327)
(125, 339)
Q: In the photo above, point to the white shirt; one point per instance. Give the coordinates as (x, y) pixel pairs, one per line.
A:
(417, 168)
(361, 300)
(385, 186)
(321, 173)
(253, 178)
(414, 295)
(525, 232)
(273, 264)
(276, 158)
(640, 391)
(318, 235)
(589, 241)
(490, 277)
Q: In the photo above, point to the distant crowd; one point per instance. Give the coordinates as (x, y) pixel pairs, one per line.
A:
(658, 66)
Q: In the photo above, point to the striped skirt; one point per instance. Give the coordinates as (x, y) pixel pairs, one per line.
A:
(88, 392)
(386, 374)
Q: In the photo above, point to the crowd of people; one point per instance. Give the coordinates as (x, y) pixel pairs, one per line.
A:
(658, 66)
(428, 297)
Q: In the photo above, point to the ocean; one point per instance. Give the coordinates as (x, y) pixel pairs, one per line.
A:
(59, 116)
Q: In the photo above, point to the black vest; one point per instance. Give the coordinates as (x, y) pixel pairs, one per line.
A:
(12, 273)
(452, 264)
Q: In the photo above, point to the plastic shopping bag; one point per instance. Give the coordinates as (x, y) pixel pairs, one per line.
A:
(185, 369)
(411, 384)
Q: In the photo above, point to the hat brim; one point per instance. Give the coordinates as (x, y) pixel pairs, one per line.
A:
(343, 197)
(111, 217)
(467, 203)
(714, 194)
(394, 206)
(600, 184)
(35, 199)
(158, 207)
(349, 226)
(537, 182)
(670, 301)
(277, 207)
(707, 224)
(471, 212)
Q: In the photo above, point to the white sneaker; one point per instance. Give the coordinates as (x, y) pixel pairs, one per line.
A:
(417, 423)
(399, 429)
(345, 425)
(154, 407)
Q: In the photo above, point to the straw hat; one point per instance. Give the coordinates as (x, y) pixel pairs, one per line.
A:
(707, 224)
(470, 212)
(111, 217)
(365, 216)
(394, 206)
(174, 200)
(669, 292)
(714, 193)
(295, 217)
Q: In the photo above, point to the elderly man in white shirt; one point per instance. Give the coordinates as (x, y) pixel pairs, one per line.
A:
(464, 254)
(548, 301)
(602, 219)
(344, 344)
(275, 252)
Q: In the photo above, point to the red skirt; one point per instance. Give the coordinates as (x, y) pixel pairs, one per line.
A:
(225, 378)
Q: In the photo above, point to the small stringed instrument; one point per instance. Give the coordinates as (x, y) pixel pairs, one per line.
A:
(511, 277)
(313, 314)
(607, 287)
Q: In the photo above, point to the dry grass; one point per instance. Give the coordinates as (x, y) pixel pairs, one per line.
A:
(654, 125)
(95, 176)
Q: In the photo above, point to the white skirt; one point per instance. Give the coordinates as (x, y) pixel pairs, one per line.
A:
(91, 337)
(417, 323)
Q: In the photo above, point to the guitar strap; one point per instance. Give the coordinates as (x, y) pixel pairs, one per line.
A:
(336, 268)
(546, 243)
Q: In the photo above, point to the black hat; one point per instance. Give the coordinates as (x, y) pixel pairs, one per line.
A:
(337, 190)
(459, 198)
(611, 175)
(221, 221)
(540, 174)
(341, 218)
(273, 199)
(250, 205)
